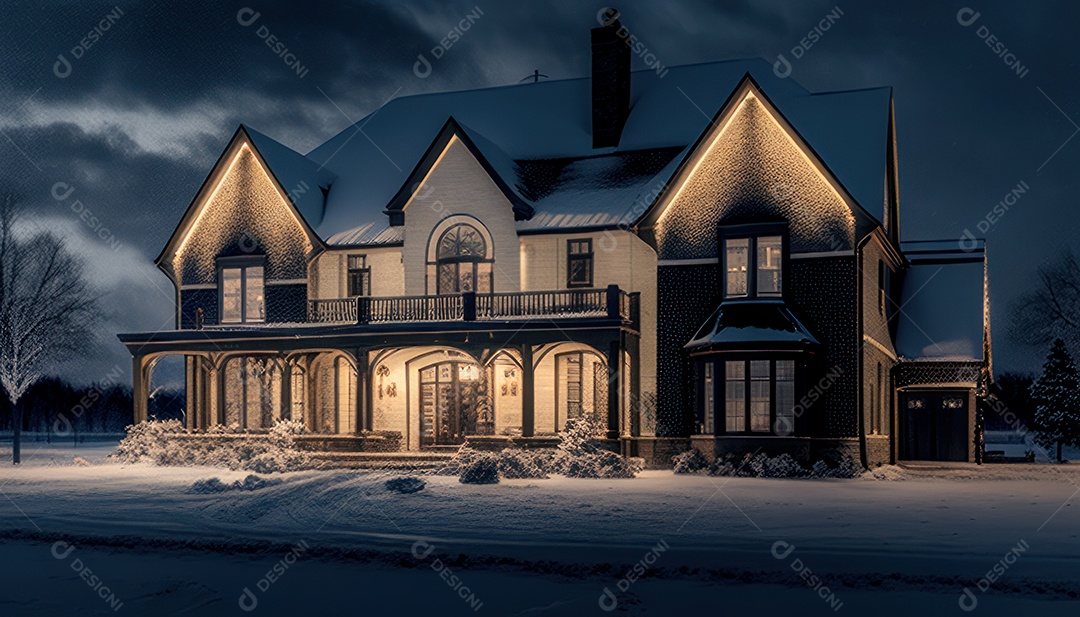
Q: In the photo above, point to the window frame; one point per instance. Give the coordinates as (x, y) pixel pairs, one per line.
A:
(752, 233)
(719, 394)
(365, 269)
(588, 256)
(242, 263)
(469, 262)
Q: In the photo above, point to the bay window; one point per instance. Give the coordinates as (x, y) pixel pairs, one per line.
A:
(758, 396)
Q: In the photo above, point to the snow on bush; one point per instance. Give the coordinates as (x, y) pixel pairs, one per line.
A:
(405, 485)
(829, 464)
(484, 469)
(215, 485)
(577, 456)
(166, 443)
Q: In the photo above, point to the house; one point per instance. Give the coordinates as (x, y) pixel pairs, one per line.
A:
(705, 256)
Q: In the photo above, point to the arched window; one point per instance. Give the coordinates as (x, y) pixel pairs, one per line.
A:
(461, 261)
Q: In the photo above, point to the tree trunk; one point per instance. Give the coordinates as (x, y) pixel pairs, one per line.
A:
(16, 433)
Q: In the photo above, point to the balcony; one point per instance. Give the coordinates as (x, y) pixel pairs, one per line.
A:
(607, 303)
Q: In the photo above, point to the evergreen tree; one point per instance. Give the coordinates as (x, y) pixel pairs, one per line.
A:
(1057, 400)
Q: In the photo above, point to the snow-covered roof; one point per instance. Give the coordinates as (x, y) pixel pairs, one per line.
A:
(302, 179)
(737, 325)
(537, 138)
(943, 301)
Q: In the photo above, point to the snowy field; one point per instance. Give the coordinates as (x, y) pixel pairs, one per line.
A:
(143, 539)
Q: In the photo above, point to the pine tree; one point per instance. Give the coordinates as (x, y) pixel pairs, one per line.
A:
(1057, 400)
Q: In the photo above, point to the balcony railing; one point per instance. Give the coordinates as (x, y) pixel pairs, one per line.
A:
(611, 302)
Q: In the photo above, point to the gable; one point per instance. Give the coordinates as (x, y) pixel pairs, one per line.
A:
(751, 167)
(241, 210)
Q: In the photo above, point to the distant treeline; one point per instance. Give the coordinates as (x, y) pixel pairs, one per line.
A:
(54, 407)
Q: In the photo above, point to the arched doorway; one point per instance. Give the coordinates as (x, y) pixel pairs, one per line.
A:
(454, 402)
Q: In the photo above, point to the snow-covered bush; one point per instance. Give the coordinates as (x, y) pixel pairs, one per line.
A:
(405, 485)
(484, 469)
(165, 443)
(519, 463)
(829, 464)
(214, 485)
(601, 464)
(691, 461)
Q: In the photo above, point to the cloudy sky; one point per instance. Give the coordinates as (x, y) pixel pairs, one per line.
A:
(111, 115)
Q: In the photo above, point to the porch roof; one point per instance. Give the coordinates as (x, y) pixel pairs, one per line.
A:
(743, 325)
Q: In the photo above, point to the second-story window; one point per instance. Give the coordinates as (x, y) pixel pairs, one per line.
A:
(753, 266)
(579, 263)
(241, 289)
(359, 276)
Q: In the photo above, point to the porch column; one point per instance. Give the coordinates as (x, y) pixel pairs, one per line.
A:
(363, 408)
(633, 345)
(615, 377)
(528, 408)
(138, 388)
(286, 390)
(191, 390)
(218, 374)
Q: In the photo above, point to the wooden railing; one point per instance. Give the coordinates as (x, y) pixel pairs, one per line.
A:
(610, 302)
(337, 310)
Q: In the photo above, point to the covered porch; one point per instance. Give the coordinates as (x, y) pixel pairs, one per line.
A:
(410, 385)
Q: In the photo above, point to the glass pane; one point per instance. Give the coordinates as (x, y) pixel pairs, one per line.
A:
(230, 295)
(785, 397)
(759, 369)
(735, 397)
(483, 277)
(460, 241)
(253, 302)
(759, 406)
(447, 279)
(710, 403)
(735, 255)
(768, 265)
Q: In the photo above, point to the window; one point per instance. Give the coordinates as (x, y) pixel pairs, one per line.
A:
(579, 263)
(461, 261)
(753, 266)
(359, 276)
(710, 398)
(881, 286)
(759, 396)
(241, 289)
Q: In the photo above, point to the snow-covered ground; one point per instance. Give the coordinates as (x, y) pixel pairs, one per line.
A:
(906, 545)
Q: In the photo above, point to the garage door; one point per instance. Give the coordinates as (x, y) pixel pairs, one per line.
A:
(934, 425)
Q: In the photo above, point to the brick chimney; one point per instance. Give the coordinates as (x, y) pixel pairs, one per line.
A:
(610, 80)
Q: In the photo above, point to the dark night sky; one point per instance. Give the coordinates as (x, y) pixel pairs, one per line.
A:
(149, 106)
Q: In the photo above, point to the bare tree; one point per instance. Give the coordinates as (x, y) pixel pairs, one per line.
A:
(47, 308)
(1051, 308)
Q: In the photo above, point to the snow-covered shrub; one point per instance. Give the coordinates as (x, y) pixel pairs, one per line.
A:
(520, 463)
(783, 466)
(840, 464)
(405, 485)
(208, 486)
(601, 464)
(829, 464)
(691, 461)
(214, 485)
(164, 443)
(483, 470)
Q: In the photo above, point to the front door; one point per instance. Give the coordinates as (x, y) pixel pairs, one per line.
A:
(448, 403)
(934, 425)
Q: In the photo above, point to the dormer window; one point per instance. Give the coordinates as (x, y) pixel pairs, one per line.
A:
(240, 283)
(753, 263)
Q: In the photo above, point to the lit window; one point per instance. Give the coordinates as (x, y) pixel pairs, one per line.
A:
(759, 396)
(768, 265)
(579, 263)
(242, 297)
(753, 267)
(359, 276)
(710, 398)
(461, 263)
(735, 256)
